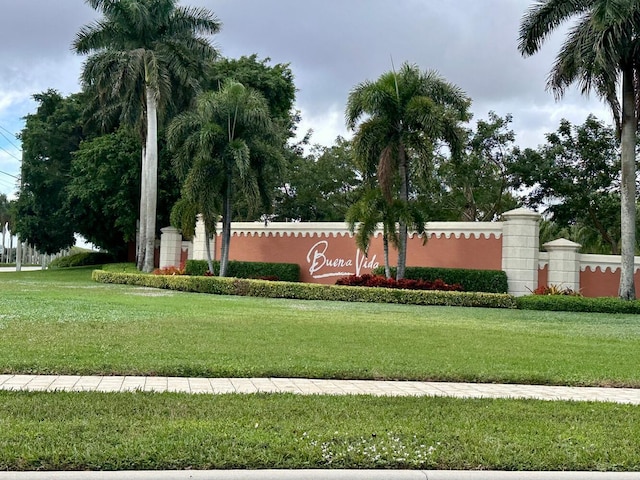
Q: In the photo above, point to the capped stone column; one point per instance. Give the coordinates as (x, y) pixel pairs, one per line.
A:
(564, 264)
(170, 247)
(200, 242)
(521, 250)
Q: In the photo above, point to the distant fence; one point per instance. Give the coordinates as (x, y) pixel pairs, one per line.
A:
(327, 251)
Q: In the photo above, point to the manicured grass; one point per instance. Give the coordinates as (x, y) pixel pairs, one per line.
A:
(61, 322)
(170, 431)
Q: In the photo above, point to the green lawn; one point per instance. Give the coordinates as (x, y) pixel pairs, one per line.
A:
(61, 322)
(170, 431)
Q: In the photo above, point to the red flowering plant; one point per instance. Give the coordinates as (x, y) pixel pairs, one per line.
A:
(170, 270)
(368, 280)
(556, 290)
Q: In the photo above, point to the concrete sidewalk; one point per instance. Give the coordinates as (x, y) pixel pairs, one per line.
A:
(305, 386)
(30, 268)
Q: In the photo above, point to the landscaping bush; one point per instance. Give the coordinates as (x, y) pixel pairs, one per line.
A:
(368, 280)
(306, 291)
(168, 271)
(490, 281)
(556, 290)
(571, 303)
(82, 259)
(287, 272)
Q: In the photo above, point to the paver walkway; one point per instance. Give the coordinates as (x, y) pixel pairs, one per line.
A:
(313, 386)
(30, 268)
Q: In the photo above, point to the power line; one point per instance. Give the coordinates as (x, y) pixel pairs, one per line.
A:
(10, 141)
(10, 154)
(9, 175)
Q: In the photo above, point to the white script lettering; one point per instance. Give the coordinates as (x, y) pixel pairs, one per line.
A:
(318, 260)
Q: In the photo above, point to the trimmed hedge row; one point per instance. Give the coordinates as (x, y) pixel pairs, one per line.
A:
(489, 281)
(82, 259)
(287, 272)
(306, 291)
(566, 303)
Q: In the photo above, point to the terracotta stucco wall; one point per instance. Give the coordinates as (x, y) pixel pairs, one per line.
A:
(323, 258)
(599, 283)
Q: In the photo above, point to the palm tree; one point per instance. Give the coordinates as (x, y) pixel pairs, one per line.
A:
(213, 146)
(140, 48)
(370, 212)
(601, 53)
(398, 120)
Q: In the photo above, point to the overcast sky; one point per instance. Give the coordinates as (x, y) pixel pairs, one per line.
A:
(331, 45)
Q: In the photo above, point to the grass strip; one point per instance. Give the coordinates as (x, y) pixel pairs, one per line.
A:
(96, 431)
(60, 322)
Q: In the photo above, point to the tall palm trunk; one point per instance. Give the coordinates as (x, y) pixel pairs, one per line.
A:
(226, 228)
(627, 289)
(385, 249)
(143, 211)
(402, 224)
(151, 172)
(207, 244)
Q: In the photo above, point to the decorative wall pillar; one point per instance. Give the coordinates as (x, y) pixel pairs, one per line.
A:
(199, 243)
(170, 247)
(564, 264)
(521, 250)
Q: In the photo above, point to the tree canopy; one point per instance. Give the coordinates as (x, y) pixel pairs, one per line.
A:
(574, 178)
(48, 139)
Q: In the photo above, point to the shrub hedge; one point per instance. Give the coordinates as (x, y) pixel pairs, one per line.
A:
(286, 272)
(368, 280)
(306, 291)
(568, 303)
(489, 281)
(82, 259)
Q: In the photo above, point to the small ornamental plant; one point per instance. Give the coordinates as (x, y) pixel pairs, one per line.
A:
(368, 280)
(170, 270)
(556, 290)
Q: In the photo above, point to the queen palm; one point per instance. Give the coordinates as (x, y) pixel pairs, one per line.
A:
(140, 49)
(601, 53)
(213, 144)
(398, 120)
(371, 211)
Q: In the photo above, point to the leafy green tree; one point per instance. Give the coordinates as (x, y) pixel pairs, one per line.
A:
(103, 190)
(398, 121)
(213, 145)
(476, 186)
(600, 54)
(274, 82)
(48, 140)
(140, 48)
(574, 178)
(321, 186)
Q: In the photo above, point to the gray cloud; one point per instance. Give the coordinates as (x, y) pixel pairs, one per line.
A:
(331, 45)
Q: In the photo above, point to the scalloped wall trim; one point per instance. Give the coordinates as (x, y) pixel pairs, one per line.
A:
(603, 263)
(310, 229)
